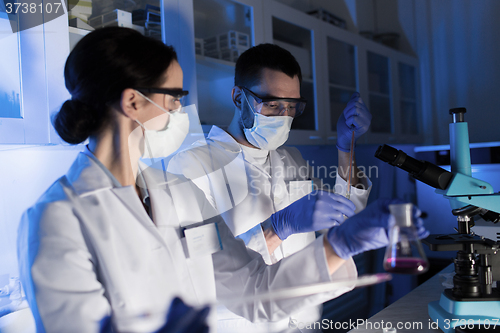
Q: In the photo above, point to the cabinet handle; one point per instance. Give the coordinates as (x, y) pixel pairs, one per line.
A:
(332, 138)
(314, 137)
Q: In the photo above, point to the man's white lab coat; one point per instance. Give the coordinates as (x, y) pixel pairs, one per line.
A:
(87, 249)
(246, 194)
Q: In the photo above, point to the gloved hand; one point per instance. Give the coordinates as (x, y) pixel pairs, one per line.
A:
(355, 117)
(419, 224)
(367, 230)
(315, 211)
(181, 318)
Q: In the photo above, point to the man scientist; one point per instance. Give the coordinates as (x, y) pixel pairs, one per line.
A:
(247, 175)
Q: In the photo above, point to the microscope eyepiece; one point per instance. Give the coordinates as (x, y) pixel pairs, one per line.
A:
(424, 171)
(458, 114)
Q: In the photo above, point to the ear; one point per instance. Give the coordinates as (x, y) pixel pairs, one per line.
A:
(237, 96)
(130, 103)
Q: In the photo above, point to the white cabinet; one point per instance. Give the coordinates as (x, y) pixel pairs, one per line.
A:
(223, 29)
(32, 66)
(335, 63)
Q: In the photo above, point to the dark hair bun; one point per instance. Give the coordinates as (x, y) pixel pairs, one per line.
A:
(76, 121)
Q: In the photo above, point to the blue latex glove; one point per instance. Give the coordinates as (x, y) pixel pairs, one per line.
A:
(419, 224)
(355, 117)
(106, 325)
(181, 318)
(368, 230)
(315, 211)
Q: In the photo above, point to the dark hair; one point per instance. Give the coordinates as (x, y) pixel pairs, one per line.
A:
(103, 64)
(251, 62)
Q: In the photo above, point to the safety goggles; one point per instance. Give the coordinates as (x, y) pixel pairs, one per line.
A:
(274, 106)
(174, 98)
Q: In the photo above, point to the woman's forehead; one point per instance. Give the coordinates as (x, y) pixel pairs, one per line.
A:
(174, 76)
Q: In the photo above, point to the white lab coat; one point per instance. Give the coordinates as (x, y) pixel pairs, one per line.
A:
(88, 249)
(267, 192)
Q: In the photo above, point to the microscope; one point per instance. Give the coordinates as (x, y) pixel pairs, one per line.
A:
(473, 304)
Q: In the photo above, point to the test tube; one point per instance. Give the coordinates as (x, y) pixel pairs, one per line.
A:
(349, 169)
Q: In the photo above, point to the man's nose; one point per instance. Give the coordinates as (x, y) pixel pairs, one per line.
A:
(286, 110)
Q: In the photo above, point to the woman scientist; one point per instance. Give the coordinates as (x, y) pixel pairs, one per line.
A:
(97, 245)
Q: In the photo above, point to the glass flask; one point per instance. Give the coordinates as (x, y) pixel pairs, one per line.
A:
(404, 254)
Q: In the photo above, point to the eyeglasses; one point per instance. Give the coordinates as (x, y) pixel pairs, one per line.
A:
(177, 96)
(275, 106)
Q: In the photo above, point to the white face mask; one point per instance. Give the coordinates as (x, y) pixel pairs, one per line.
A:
(164, 142)
(270, 132)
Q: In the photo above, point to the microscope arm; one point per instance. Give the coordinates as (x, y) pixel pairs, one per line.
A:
(464, 189)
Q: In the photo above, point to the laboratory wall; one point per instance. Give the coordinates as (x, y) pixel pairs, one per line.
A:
(25, 173)
(457, 43)
(465, 50)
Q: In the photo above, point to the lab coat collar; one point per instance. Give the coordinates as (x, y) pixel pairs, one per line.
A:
(220, 137)
(226, 141)
(223, 139)
(86, 176)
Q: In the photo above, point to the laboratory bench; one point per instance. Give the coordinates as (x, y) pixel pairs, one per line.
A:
(410, 311)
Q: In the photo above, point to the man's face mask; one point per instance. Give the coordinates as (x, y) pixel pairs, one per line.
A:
(272, 119)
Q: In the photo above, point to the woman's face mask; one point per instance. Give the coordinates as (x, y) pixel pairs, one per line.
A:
(164, 142)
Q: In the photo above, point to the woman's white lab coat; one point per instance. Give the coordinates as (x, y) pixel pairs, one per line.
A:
(88, 249)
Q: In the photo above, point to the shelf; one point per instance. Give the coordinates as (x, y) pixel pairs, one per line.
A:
(378, 94)
(213, 69)
(339, 86)
(78, 31)
(408, 100)
(50, 146)
(307, 80)
(75, 34)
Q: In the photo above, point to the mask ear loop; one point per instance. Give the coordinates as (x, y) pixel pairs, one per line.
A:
(146, 141)
(152, 102)
(250, 105)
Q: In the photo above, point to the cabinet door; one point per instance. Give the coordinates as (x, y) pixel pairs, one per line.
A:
(379, 93)
(388, 82)
(34, 86)
(342, 80)
(223, 29)
(409, 119)
(295, 31)
(11, 113)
